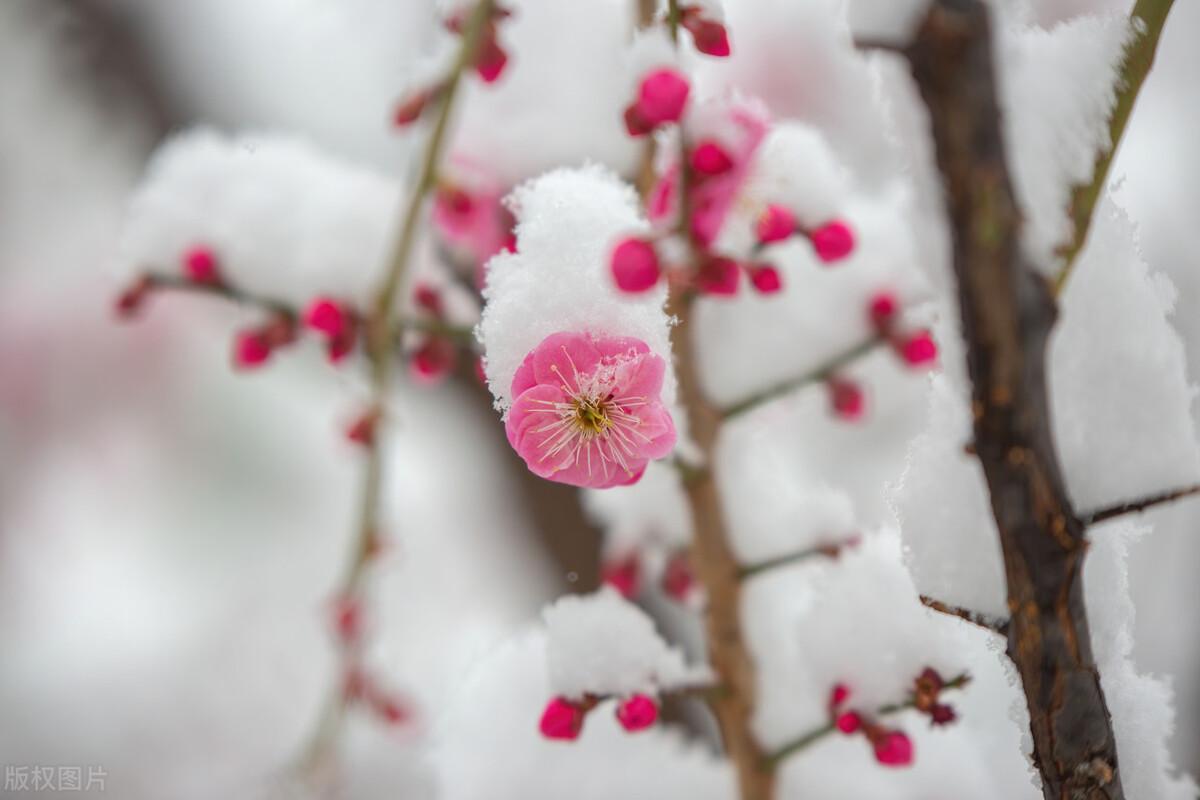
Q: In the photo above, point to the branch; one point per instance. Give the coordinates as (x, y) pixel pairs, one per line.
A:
(974, 617)
(1148, 18)
(804, 741)
(1135, 506)
(819, 374)
(381, 334)
(463, 334)
(825, 550)
(1008, 312)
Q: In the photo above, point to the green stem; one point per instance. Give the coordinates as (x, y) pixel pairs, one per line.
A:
(821, 373)
(1148, 17)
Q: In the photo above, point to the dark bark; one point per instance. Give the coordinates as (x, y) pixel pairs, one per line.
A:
(1008, 311)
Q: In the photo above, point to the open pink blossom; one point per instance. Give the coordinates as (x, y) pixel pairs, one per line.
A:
(587, 410)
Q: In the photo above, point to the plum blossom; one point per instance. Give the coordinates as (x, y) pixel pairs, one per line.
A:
(587, 410)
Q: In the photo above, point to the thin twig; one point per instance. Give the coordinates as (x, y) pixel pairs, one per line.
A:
(815, 735)
(824, 550)
(974, 617)
(464, 334)
(1135, 506)
(1148, 18)
(821, 373)
(380, 337)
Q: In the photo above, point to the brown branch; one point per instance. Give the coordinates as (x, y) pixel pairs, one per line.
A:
(1148, 18)
(1007, 313)
(974, 617)
(1135, 506)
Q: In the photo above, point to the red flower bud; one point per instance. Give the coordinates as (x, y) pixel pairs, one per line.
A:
(847, 398)
(637, 713)
(882, 310)
(635, 265)
(624, 575)
(918, 349)
(833, 241)
(893, 749)
(765, 278)
(848, 723)
(775, 224)
(561, 719)
(709, 158)
(250, 349)
(200, 265)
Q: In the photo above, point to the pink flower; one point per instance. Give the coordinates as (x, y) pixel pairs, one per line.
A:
(893, 749)
(587, 410)
(635, 265)
(712, 196)
(776, 224)
(832, 241)
(473, 219)
(561, 719)
(200, 265)
(661, 98)
(637, 713)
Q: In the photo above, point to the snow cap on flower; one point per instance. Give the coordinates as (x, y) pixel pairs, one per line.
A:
(588, 410)
(560, 279)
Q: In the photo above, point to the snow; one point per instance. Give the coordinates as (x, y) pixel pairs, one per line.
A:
(603, 644)
(559, 278)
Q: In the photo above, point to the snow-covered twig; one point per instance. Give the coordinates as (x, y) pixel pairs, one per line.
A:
(1148, 18)
(994, 625)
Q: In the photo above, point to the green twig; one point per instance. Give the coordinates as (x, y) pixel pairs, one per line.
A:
(1148, 18)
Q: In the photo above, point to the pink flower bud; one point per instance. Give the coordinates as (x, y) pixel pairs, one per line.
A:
(765, 278)
(561, 719)
(709, 158)
(491, 59)
(635, 123)
(433, 360)
(918, 349)
(847, 399)
(410, 109)
(833, 241)
(347, 619)
(328, 317)
(250, 349)
(718, 276)
(428, 298)
(848, 722)
(709, 36)
(637, 713)
(893, 749)
(662, 97)
(942, 714)
(838, 695)
(635, 265)
(678, 580)
(200, 265)
(130, 301)
(362, 430)
(624, 575)
(775, 224)
(882, 310)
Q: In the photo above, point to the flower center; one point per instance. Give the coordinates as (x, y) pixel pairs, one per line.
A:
(592, 414)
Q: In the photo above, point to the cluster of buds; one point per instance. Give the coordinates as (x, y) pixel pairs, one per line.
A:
(677, 581)
(489, 63)
(831, 241)
(891, 746)
(435, 357)
(926, 696)
(563, 718)
(916, 348)
(359, 687)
